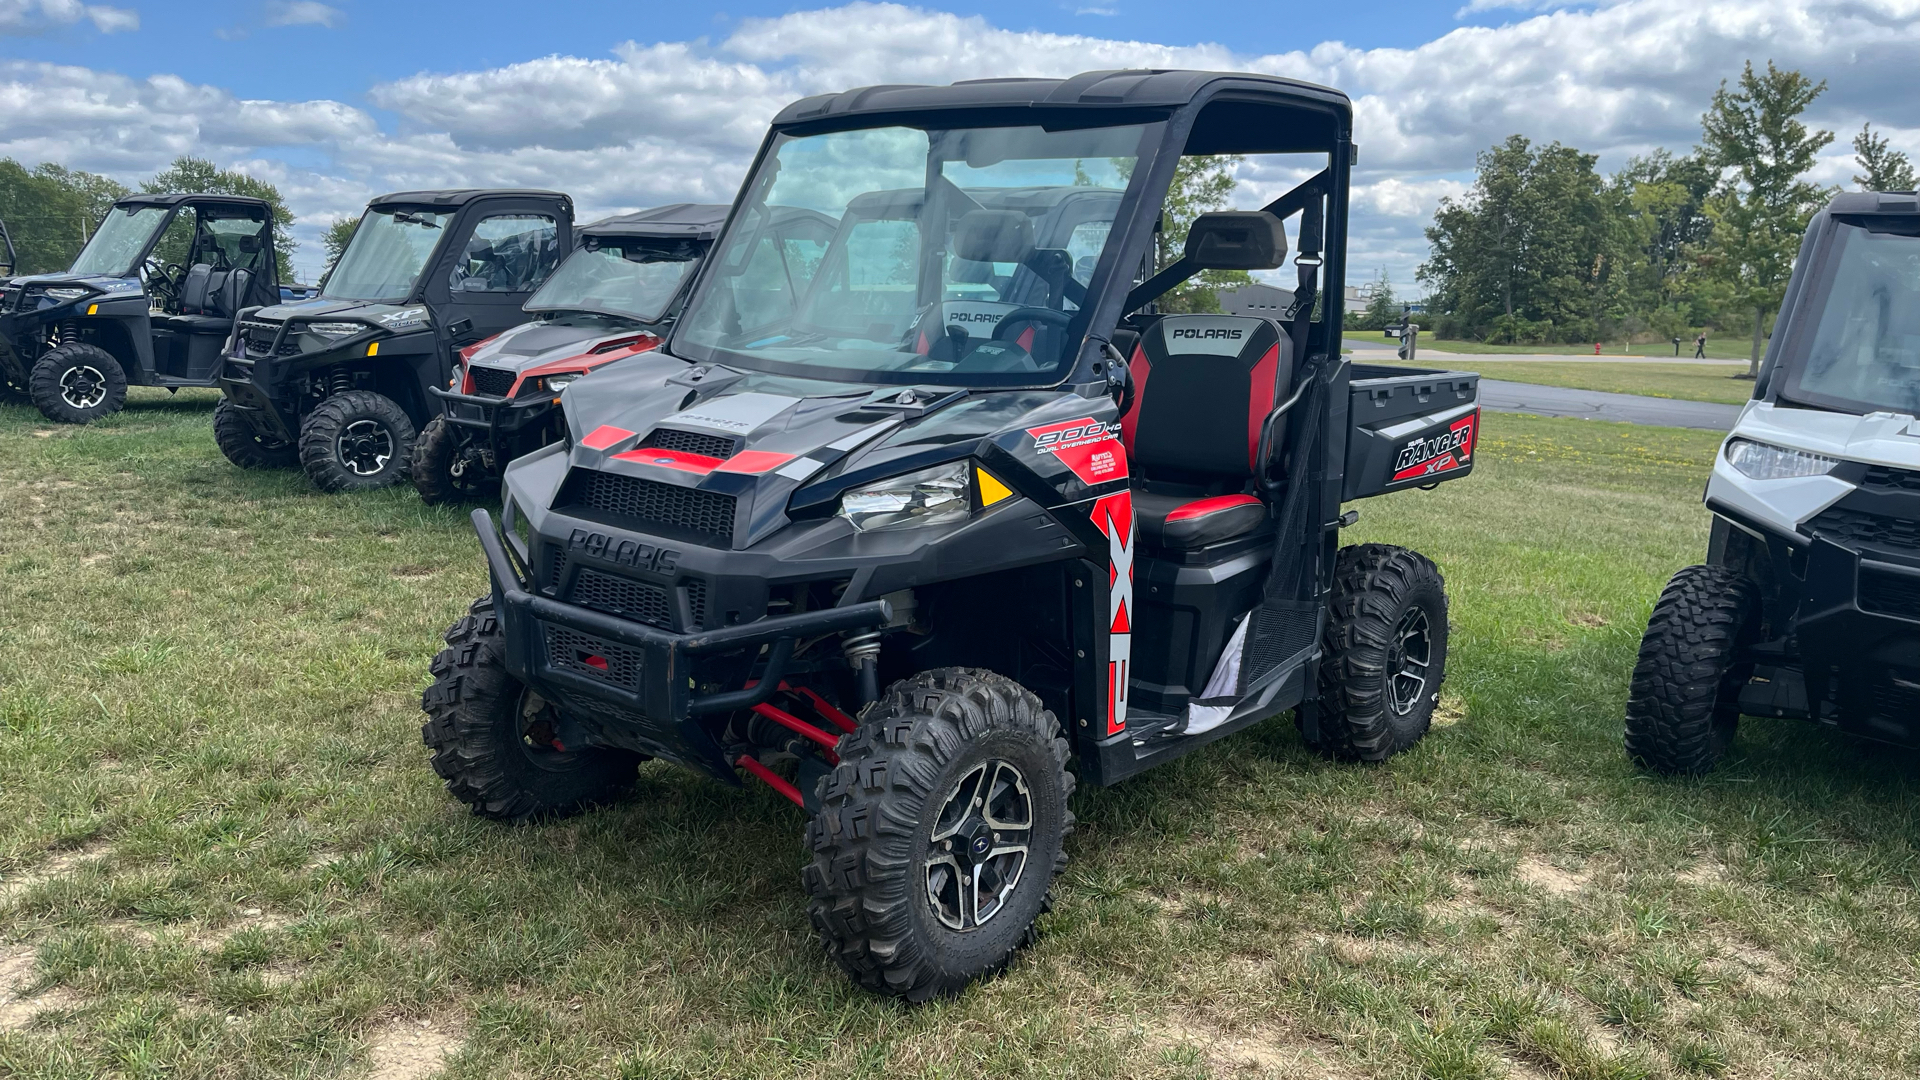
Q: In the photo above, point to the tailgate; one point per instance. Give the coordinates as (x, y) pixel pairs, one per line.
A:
(1410, 427)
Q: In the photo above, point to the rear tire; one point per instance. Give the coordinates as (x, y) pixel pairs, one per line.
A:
(243, 444)
(356, 441)
(901, 846)
(1385, 652)
(492, 736)
(447, 468)
(1684, 702)
(77, 383)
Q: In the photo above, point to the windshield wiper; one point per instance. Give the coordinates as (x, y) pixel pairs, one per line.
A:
(406, 218)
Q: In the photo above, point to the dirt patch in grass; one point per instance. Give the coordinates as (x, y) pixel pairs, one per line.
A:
(403, 1049)
(1547, 877)
(1251, 1052)
(15, 884)
(16, 974)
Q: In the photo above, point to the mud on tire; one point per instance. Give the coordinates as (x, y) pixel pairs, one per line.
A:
(489, 744)
(436, 454)
(1385, 652)
(882, 887)
(245, 446)
(1683, 703)
(356, 441)
(77, 383)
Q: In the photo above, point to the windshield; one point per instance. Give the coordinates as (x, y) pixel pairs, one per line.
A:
(957, 256)
(1865, 349)
(626, 276)
(120, 241)
(386, 255)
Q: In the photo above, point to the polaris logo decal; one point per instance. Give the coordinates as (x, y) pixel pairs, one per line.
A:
(977, 317)
(1209, 333)
(632, 553)
(1089, 447)
(1427, 456)
(974, 317)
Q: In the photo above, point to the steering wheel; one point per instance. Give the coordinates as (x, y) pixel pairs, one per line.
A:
(1044, 316)
(161, 281)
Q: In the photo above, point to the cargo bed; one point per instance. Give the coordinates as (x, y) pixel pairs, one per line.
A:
(1409, 427)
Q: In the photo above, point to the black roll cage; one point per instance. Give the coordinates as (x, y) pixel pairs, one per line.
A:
(1170, 104)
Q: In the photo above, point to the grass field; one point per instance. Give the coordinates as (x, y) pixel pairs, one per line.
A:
(224, 854)
(1686, 382)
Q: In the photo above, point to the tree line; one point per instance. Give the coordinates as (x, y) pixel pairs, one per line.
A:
(1543, 248)
(50, 210)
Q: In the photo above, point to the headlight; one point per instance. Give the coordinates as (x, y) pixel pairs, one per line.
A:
(929, 497)
(1764, 462)
(336, 329)
(65, 293)
(557, 383)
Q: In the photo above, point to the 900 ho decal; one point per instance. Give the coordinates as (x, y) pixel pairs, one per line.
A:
(1430, 455)
(1091, 448)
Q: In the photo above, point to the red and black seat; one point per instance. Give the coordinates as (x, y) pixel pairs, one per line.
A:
(1203, 386)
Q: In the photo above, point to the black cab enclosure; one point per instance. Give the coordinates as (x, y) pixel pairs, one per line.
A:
(425, 273)
(925, 524)
(149, 301)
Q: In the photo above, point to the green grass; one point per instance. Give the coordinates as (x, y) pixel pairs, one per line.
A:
(225, 855)
(1686, 382)
(1718, 348)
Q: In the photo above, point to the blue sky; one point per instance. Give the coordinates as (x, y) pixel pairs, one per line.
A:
(632, 105)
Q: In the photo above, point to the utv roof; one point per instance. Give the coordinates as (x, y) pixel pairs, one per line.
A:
(697, 221)
(1143, 90)
(456, 197)
(178, 197)
(1874, 202)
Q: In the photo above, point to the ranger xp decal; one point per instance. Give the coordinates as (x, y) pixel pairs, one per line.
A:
(1441, 453)
(1113, 514)
(1091, 448)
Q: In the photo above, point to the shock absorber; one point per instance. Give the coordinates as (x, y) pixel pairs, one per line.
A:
(862, 651)
(68, 331)
(340, 381)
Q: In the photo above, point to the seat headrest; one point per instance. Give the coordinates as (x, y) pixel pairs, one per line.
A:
(991, 236)
(1237, 240)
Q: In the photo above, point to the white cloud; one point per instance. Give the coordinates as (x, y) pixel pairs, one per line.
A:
(650, 122)
(19, 17)
(304, 13)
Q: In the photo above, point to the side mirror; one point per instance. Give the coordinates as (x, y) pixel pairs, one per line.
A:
(1236, 240)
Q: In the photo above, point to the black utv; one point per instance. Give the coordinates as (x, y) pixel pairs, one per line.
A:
(340, 384)
(149, 301)
(923, 529)
(1808, 604)
(614, 297)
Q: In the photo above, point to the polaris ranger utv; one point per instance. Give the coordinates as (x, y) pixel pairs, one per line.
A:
(1808, 605)
(614, 297)
(149, 301)
(341, 383)
(916, 531)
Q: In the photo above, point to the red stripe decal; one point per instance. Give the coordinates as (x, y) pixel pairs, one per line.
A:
(672, 459)
(605, 437)
(754, 461)
(1260, 401)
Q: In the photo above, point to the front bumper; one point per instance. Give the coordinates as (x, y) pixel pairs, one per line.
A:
(630, 684)
(485, 412)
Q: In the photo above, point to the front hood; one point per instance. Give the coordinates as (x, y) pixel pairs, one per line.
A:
(776, 443)
(97, 282)
(539, 344)
(322, 308)
(1879, 438)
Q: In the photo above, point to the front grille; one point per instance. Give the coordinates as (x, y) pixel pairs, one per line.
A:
(1896, 701)
(697, 600)
(618, 596)
(649, 502)
(1885, 478)
(257, 337)
(569, 650)
(557, 565)
(692, 442)
(1854, 528)
(492, 381)
(1890, 594)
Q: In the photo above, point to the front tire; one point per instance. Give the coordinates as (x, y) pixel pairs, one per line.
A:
(356, 441)
(1684, 702)
(939, 833)
(448, 468)
(493, 738)
(77, 383)
(245, 446)
(1385, 652)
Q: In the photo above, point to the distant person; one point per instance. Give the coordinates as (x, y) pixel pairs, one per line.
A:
(1700, 345)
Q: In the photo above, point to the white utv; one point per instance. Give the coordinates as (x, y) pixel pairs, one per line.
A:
(1809, 603)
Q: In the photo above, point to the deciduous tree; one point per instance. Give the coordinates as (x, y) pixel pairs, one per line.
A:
(196, 175)
(1887, 169)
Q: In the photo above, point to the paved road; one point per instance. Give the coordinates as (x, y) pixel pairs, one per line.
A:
(1502, 396)
(1369, 350)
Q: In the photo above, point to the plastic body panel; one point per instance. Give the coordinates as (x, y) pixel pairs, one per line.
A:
(1409, 429)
